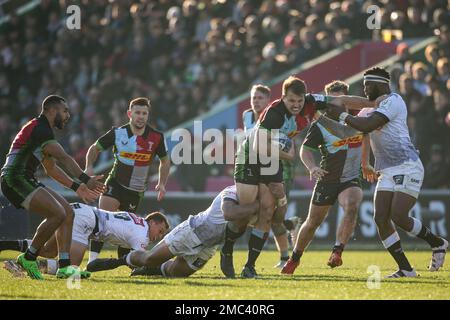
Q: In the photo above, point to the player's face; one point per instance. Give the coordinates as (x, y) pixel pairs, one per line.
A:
(259, 101)
(138, 116)
(293, 102)
(371, 90)
(62, 116)
(157, 231)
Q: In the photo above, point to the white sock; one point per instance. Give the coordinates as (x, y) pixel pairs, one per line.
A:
(389, 241)
(128, 260)
(52, 266)
(163, 269)
(93, 255)
(417, 226)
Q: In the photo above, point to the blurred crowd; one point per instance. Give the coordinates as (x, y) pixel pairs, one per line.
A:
(189, 56)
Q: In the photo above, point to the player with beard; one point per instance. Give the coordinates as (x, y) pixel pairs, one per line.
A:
(401, 171)
(134, 145)
(33, 145)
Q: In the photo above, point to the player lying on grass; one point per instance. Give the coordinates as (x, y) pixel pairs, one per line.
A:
(116, 228)
(193, 242)
(401, 170)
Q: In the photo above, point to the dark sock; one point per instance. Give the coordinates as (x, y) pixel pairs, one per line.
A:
(123, 259)
(30, 255)
(95, 246)
(338, 248)
(296, 255)
(122, 252)
(14, 245)
(62, 263)
(230, 238)
(433, 240)
(397, 253)
(255, 245)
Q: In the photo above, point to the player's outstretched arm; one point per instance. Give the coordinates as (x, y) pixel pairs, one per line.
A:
(233, 211)
(350, 102)
(91, 157)
(55, 150)
(307, 158)
(368, 171)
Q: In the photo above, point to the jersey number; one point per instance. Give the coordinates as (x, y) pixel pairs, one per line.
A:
(127, 216)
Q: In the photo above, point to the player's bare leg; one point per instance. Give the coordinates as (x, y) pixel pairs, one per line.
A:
(316, 216)
(402, 203)
(260, 230)
(278, 228)
(108, 204)
(177, 268)
(388, 234)
(349, 199)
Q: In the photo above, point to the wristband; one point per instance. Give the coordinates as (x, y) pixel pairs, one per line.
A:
(75, 185)
(342, 117)
(84, 178)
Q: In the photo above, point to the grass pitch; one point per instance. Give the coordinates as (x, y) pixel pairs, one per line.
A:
(312, 280)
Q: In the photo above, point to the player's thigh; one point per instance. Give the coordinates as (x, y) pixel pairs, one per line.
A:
(65, 204)
(350, 198)
(401, 204)
(317, 215)
(180, 268)
(159, 253)
(77, 251)
(108, 203)
(382, 206)
(246, 193)
(46, 205)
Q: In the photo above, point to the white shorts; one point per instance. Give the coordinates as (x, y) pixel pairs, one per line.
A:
(183, 242)
(406, 178)
(83, 225)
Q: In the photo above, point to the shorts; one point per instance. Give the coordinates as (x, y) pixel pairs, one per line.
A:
(253, 174)
(129, 200)
(326, 193)
(183, 242)
(406, 178)
(20, 190)
(84, 223)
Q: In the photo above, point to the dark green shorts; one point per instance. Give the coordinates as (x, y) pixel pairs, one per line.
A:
(17, 189)
(129, 200)
(251, 174)
(326, 194)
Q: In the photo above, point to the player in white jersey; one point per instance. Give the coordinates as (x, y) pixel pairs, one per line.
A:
(193, 242)
(399, 167)
(123, 229)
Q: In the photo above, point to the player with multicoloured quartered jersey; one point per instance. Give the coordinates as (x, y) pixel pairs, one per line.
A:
(123, 229)
(134, 146)
(193, 242)
(338, 179)
(285, 117)
(398, 164)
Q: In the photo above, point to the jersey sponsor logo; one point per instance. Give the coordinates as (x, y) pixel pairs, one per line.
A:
(136, 156)
(350, 141)
(415, 181)
(124, 142)
(398, 179)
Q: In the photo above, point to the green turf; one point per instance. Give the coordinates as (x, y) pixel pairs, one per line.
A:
(312, 280)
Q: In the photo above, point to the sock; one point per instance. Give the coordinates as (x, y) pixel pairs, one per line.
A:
(163, 269)
(94, 249)
(126, 260)
(296, 255)
(393, 245)
(14, 245)
(284, 255)
(231, 235)
(122, 251)
(255, 245)
(31, 253)
(52, 266)
(338, 247)
(422, 232)
(64, 259)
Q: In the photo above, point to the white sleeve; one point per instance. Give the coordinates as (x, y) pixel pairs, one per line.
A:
(229, 193)
(137, 243)
(365, 112)
(391, 107)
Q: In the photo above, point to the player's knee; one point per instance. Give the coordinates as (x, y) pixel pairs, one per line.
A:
(381, 220)
(312, 223)
(278, 229)
(399, 219)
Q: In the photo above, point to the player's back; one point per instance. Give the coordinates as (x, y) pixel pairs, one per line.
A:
(122, 228)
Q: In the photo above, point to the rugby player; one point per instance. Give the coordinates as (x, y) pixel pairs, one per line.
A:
(288, 115)
(193, 242)
(337, 180)
(34, 142)
(401, 171)
(134, 145)
(117, 228)
(260, 99)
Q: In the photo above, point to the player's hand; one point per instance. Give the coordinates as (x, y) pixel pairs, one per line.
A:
(89, 171)
(95, 185)
(86, 194)
(317, 173)
(161, 191)
(369, 173)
